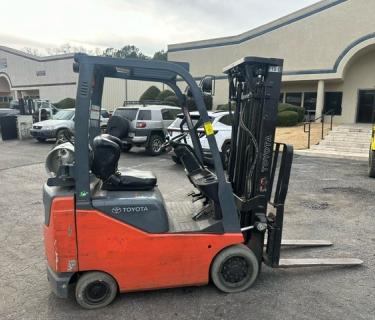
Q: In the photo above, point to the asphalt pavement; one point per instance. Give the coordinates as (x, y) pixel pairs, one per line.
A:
(328, 199)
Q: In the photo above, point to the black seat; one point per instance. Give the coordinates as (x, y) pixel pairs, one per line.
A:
(106, 154)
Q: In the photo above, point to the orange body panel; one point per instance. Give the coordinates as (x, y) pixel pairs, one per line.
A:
(141, 261)
(60, 236)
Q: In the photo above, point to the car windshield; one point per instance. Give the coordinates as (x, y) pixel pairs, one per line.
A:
(128, 113)
(194, 119)
(64, 115)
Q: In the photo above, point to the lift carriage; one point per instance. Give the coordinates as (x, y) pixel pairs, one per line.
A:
(108, 230)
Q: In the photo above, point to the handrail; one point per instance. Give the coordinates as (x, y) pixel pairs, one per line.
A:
(322, 118)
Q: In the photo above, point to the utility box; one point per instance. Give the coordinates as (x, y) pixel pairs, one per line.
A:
(24, 124)
(8, 126)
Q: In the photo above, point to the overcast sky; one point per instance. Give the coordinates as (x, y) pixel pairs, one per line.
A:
(148, 24)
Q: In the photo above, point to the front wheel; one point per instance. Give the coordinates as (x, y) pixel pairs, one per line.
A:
(126, 147)
(95, 290)
(155, 144)
(62, 135)
(371, 171)
(235, 269)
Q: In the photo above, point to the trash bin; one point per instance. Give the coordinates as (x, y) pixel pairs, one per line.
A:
(8, 126)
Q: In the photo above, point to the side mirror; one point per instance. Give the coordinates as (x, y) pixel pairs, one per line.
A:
(207, 85)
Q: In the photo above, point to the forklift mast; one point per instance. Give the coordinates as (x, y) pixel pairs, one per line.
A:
(254, 90)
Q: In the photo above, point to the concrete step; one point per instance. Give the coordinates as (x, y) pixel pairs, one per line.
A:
(332, 154)
(341, 149)
(355, 144)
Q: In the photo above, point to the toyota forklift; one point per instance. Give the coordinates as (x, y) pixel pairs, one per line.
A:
(109, 230)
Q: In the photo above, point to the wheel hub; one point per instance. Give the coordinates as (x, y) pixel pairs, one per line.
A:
(235, 270)
(97, 291)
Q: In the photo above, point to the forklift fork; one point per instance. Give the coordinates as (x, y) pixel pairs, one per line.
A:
(274, 241)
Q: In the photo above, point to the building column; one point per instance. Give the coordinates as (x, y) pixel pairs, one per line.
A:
(320, 99)
(15, 95)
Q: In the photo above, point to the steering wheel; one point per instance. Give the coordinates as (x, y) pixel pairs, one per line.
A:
(173, 142)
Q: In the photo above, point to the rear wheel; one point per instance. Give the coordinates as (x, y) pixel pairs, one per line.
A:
(371, 171)
(62, 134)
(234, 269)
(95, 290)
(155, 144)
(126, 147)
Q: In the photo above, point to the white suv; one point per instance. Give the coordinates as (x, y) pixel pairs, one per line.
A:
(147, 126)
(222, 123)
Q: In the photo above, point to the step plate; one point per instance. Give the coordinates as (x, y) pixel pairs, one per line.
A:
(305, 243)
(328, 262)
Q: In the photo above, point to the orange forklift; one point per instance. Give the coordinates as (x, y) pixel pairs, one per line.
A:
(109, 230)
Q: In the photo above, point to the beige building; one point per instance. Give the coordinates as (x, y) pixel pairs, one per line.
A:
(328, 51)
(52, 78)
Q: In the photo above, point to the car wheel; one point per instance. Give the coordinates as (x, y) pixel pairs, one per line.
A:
(126, 147)
(62, 134)
(154, 145)
(41, 139)
(235, 269)
(225, 155)
(95, 290)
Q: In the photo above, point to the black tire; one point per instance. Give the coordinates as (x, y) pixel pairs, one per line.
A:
(371, 171)
(118, 127)
(154, 145)
(95, 290)
(234, 269)
(225, 154)
(126, 147)
(61, 134)
(41, 139)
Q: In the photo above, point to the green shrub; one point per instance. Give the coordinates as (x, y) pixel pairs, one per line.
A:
(287, 119)
(207, 101)
(164, 94)
(150, 94)
(66, 103)
(171, 101)
(289, 107)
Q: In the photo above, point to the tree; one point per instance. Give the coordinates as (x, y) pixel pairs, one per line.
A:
(128, 51)
(160, 55)
(150, 94)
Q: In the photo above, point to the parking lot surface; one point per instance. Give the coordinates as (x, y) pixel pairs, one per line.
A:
(328, 199)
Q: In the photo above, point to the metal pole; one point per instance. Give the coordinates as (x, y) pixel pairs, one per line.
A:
(323, 126)
(308, 143)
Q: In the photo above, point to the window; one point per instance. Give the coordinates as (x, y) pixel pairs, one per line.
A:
(227, 120)
(281, 99)
(294, 98)
(309, 101)
(128, 113)
(167, 114)
(144, 115)
(332, 103)
(3, 63)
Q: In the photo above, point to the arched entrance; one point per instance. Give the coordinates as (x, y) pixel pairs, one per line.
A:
(359, 84)
(5, 93)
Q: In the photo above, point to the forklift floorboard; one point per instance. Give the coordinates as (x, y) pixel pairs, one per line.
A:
(180, 216)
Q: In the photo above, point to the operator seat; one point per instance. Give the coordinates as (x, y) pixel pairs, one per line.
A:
(202, 178)
(106, 154)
